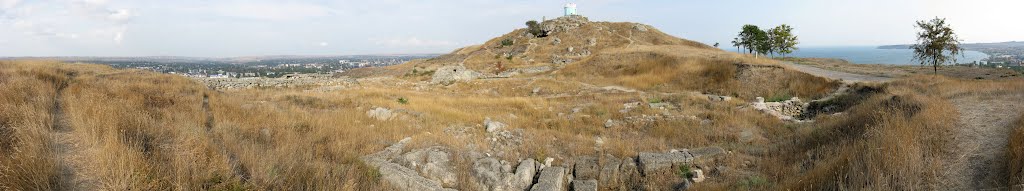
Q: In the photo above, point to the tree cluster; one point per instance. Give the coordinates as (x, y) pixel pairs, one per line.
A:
(755, 41)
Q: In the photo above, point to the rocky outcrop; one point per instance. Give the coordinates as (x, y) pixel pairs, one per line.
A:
(452, 74)
(434, 163)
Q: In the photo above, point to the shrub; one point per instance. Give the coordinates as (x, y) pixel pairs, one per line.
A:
(534, 28)
(403, 100)
(507, 42)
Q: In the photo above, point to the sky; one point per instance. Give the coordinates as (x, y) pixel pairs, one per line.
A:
(229, 28)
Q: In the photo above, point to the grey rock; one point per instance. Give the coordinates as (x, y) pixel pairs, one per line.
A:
(384, 156)
(487, 172)
(438, 167)
(403, 178)
(628, 168)
(586, 168)
(380, 113)
(610, 123)
(493, 126)
(610, 171)
(651, 163)
(550, 179)
(584, 185)
(525, 172)
(451, 74)
(592, 42)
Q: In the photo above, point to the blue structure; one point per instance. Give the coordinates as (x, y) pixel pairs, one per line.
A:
(570, 9)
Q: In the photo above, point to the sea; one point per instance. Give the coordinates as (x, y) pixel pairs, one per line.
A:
(872, 54)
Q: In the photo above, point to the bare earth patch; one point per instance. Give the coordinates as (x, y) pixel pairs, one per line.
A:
(979, 161)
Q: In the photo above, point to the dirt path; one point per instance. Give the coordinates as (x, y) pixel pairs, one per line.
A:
(981, 138)
(848, 77)
(70, 153)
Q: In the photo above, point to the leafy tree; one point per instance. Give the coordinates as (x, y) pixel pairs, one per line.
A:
(762, 43)
(737, 43)
(782, 39)
(716, 45)
(936, 43)
(534, 28)
(748, 37)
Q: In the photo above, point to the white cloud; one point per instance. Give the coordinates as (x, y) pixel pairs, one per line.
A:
(412, 42)
(283, 11)
(322, 44)
(8, 4)
(121, 15)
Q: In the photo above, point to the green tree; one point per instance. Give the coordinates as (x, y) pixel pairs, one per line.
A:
(783, 40)
(748, 37)
(762, 43)
(737, 43)
(936, 43)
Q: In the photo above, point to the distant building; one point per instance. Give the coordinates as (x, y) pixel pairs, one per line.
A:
(570, 9)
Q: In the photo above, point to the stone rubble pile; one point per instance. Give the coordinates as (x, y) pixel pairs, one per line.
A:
(431, 169)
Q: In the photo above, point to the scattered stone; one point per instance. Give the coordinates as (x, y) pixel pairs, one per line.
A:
(550, 179)
(705, 122)
(784, 110)
(586, 168)
(547, 162)
(556, 41)
(611, 123)
(380, 113)
(570, 49)
(584, 185)
(592, 42)
(535, 91)
(627, 107)
(524, 174)
(661, 105)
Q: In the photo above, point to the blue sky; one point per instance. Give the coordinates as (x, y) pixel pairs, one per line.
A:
(225, 28)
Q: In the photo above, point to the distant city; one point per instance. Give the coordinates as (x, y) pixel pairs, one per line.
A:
(244, 67)
(1000, 55)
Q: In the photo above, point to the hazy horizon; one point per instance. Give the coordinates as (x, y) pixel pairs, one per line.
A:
(193, 28)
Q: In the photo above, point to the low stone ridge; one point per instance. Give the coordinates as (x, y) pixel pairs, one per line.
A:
(550, 179)
(651, 163)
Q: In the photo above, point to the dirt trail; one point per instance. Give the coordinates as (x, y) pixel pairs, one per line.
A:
(70, 153)
(981, 138)
(847, 77)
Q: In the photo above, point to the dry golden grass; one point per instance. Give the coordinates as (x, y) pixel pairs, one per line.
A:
(142, 131)
(1016, 153)
(26, 125)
